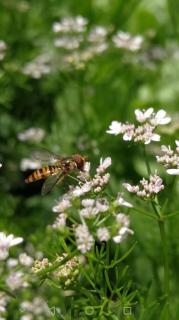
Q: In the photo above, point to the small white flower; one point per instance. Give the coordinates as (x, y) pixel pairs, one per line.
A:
(126, 41)
(130, 188)
(173, 172)
(27, 164)
(122, 235)
(103, 234)
(0, 165)
(84, 239)
(25, 260)
(143, 115)
(121, 202)
(6, 242)
(32, 134)
(16, 280)
(160, 118)
(104, 164)
(79, 191)
(60, 221)
(62, 205)
(11, 263)
(88, 202)
(115, 128)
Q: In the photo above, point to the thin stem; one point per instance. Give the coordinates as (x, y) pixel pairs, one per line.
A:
(163, 236)
(147, 162)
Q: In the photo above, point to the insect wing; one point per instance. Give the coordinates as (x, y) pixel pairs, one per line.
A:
(51, 181)
(46, 156)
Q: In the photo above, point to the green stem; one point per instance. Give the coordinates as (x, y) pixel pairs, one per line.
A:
(165, 259)
(163, 236)
(147, 162)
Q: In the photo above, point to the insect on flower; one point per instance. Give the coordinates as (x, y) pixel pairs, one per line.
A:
(55, 169)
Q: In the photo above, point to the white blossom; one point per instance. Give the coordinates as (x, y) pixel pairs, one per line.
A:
(123, 222)
(88, 202)
(25, 260)
(170, 158)
(160, 118)
(6, 242)
(36, 307)
(143, 115)
(63, 204)
(143, 133)
(27, 164)
(104, 164)
(84, 239)
(146, 188)
(60, 221)
(70, 24)
(115, 128)
(127, 41)
(12, 262)
(16, 280)
(38, 67)
(103, 234)
(0, 165)
(97, 34)
(32, 134)
(121, 202)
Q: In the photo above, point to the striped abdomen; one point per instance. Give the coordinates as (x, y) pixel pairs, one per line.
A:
(42, 173)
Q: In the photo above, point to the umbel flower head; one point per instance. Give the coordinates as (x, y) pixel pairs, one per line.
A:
(147, 189)
(145, 131)
(170, 158)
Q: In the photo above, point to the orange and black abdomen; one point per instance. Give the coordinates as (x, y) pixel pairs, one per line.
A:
(42, 173)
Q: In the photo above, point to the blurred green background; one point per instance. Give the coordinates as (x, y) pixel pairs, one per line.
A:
(75, 105)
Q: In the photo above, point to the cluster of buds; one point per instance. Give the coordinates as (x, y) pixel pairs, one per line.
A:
(170, 158)
(143, 133)
(147, 189)
(68, 272)
(40, 265)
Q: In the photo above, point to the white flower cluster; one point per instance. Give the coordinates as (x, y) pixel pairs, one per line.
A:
(92, 207)
(35, 309)
(3, 48)
(143, 133)
(170, 158)
(70, 24)
(38, 67)
(123, 230)
(27, 164)
(147, 188)
(84, 239)
(126, 41)
(16, 280)
(98, 209)
(32, 134)
(6, 242)
(72, 35)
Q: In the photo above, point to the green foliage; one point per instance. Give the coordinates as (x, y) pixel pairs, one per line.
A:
(74, 106)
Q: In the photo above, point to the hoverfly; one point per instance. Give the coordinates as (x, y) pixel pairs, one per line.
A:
(56, 168)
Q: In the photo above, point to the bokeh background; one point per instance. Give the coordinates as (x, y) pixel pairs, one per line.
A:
(73, 97)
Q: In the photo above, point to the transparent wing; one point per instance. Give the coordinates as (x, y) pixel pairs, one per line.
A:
(45, 156)
(51, 181)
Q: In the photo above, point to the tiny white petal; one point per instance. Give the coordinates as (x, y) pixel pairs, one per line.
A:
(173, 172)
